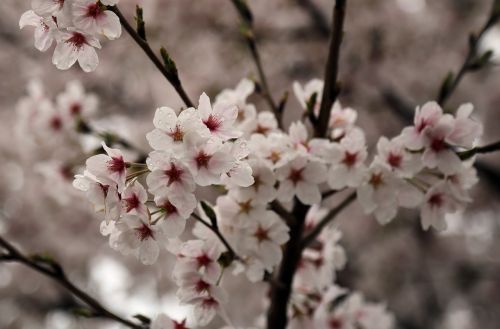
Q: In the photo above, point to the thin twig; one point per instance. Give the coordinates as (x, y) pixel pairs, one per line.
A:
(173, 79)
(248, 32)
(479, 150)
(311, 236)
(54, 271)
(317, 17)
(472, 56)
(221, 237)
(331, 88)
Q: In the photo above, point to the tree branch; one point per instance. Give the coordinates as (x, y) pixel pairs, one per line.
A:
(472, 61)
(248, 33)
(169, 73)
(309, 238)
(280, 292)
(479, 150)
(54, 271)
(331, 88)
(278, 208)
(221, 237)
(317, 18)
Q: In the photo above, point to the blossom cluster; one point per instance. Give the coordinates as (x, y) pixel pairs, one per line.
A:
(75, 26)
(420, 168)
(256, 165)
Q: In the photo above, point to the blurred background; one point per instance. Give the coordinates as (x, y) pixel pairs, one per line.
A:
(395, 55)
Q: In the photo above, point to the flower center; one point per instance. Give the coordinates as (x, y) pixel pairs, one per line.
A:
(180, 325)
(202, 160)
(144, 232)
(132, 202)
(436, 200)
(116, 164)
(94, 10)
(394, 160)
(201, 286)
(438, 144)
(335, 323)
(174, 174)
(376, 180)
(261, 234)
(261, 129)
(77, 40)
(203, 260)
(296, 175)
(56, 123)
(350, 158)
(75, 109)
(275, 156)
(177, 135)
(245, 207)
(212, 123)
(169, 208)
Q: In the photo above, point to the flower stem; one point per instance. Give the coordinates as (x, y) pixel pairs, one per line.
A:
(54, 271)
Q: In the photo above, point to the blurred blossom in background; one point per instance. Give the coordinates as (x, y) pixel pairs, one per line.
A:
(448, 280)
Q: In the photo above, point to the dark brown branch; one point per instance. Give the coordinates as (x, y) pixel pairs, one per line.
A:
(472, 61)
(280, 292)
(248, 33)
(317, 17)
(479, 150)
(311, 236)
(172, 77)
(221, 237)
(282, 212)
(332, 87)
(54, 271)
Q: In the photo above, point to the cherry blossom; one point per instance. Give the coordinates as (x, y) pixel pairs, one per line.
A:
(73, 46)
(394, 154)
(175, 210)
(262, 190)
(237, 97)
(168, 174)
(301, 177)
(133, 198)
(74, 102)
(207, 160)
(171, 130)
(45, 29)
(92, 17)
(265, 236)
(347, 158)
(428, 115)
(437, 203)
(136, 236)
(108, 168)
(162, 321)
(240, 173)
(198, 256)
(220, 119)
(305, 93)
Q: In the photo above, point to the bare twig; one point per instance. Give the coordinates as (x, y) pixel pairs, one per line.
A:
(479, 150)
(317, 17)
(169, 74)
(311, 236)
(471, 61)
(332, 87)
(248, 33)
(221, 237)
(54, 271)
